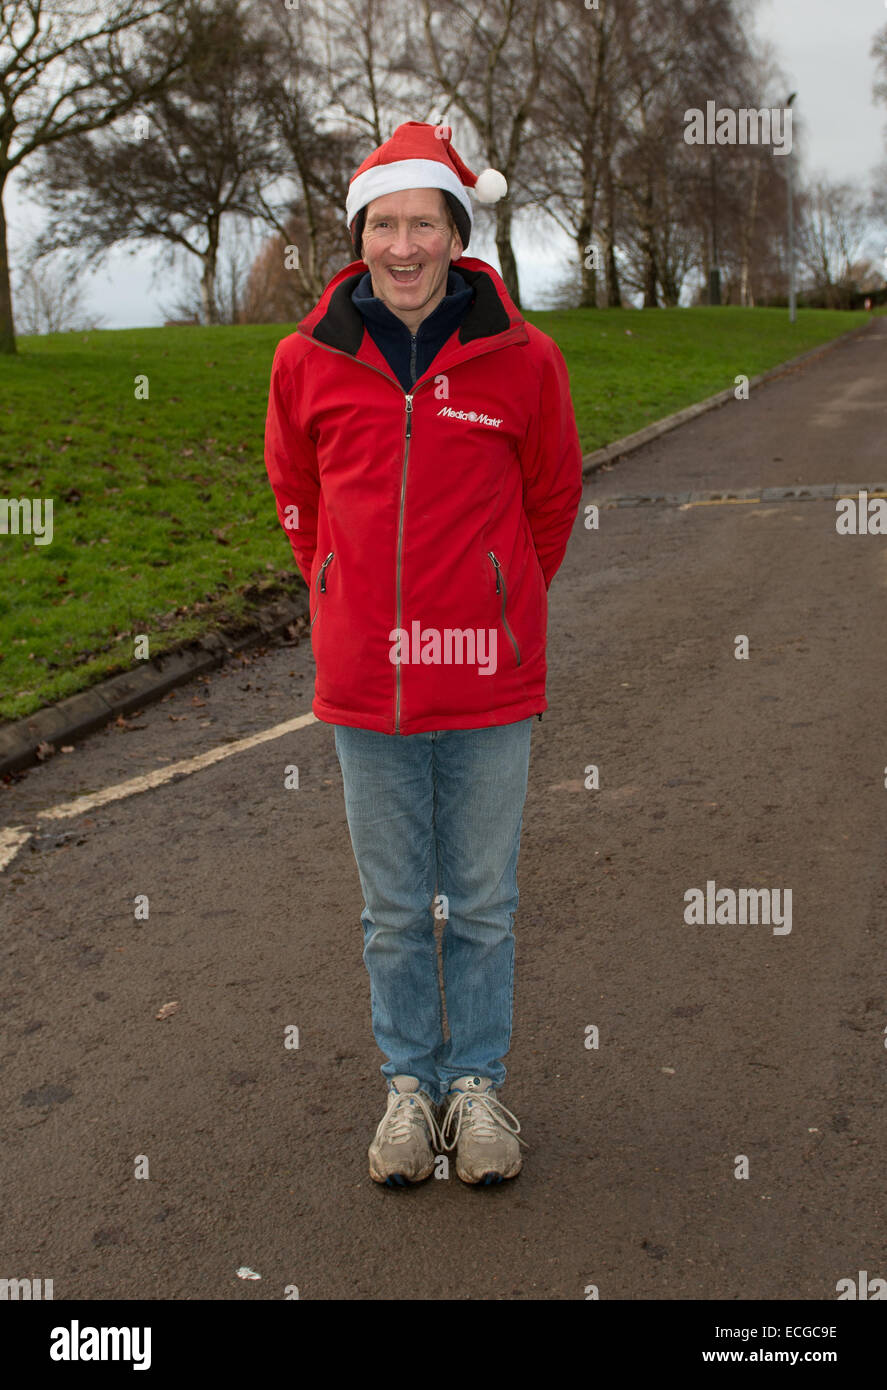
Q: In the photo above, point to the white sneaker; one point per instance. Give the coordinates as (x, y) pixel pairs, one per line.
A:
(402, 1151)
(487, 1149)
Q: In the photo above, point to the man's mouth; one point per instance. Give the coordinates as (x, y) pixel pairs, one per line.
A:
(405, 274)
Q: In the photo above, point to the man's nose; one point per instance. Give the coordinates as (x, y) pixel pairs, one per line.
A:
(402, 241)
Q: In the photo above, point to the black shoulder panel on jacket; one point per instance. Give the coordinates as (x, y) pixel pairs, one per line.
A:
(342, 325)
(487, 314)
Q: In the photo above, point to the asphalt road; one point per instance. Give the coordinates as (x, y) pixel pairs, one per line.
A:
(715, 1041)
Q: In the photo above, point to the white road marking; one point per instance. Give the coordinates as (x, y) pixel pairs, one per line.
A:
(166, 774)
(12, 837)
(720, 502)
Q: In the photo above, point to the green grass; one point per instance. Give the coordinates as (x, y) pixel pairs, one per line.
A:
(164, 521)
(672, 358)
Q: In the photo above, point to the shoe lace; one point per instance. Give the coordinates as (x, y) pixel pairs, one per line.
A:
(395, 1126)
(484, 1113)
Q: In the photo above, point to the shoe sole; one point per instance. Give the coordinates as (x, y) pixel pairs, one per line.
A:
(487, 1179)
(399, 1180)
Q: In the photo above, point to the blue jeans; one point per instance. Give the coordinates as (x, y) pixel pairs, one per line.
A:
(429, 814)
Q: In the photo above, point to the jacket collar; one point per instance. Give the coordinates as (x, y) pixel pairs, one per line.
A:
(435, 327)
(338, 323)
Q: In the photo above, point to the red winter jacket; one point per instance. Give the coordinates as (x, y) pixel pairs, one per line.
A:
(427, 526)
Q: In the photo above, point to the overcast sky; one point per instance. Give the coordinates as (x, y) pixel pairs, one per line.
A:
(821, 45)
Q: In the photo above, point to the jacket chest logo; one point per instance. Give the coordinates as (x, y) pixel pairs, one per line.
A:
(474, 416)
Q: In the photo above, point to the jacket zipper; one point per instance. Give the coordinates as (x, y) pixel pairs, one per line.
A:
(320, 587)
(500, 588)
(403, 490)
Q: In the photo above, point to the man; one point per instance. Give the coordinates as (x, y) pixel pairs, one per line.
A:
(424, 457)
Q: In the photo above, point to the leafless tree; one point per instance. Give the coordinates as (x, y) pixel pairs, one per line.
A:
(568, 137)
(832, 239)
(879, 53)
(361, 50)
(319, 153)
(49, 300)
(879, 192)
(65, 70)
(486, 57)
(188, 157)
(604, 149)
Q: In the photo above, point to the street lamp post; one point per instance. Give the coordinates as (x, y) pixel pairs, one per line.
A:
(792, 308)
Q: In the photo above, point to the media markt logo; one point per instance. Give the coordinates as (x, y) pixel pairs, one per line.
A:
(476, 417)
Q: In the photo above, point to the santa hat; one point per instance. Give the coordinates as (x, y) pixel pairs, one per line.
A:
(421, 156)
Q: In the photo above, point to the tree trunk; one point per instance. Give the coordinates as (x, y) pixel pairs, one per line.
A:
(7, 326)
(648, 243)
(746, 297)
(588, 295)
(208, 278)
(670, 289)
(310, 273)
(208, 289)
(506, 253)
(587, 250)
(614, 294)
(651, 297)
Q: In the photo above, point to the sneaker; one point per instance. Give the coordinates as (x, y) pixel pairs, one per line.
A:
(402, 1150)
(487, 1149)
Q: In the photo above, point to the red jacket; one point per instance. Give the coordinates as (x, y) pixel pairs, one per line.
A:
(427, 526)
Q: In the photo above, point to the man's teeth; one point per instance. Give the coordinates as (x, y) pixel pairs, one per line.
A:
(403, 267)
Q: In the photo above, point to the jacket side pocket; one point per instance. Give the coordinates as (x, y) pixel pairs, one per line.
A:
(320, 588)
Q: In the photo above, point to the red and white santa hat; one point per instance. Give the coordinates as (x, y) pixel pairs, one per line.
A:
(421, 156)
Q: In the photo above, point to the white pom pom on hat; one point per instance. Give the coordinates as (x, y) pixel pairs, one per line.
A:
(490, 186)
(419, 155)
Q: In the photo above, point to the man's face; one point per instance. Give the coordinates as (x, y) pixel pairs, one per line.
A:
(411, 228)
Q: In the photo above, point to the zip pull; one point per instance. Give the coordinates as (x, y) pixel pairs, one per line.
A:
(409, 401)
(322, 575)
(500, 588)
(496, 563)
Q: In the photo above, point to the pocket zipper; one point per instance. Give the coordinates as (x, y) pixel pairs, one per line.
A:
(320, 584)
(500, 588)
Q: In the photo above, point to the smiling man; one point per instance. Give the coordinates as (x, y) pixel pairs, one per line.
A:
(423, 452)
(416, 222)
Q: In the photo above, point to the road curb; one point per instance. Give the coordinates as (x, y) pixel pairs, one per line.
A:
(592, 463)
(78, 715)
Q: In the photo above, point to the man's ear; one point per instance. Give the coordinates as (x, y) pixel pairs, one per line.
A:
(457, 248)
